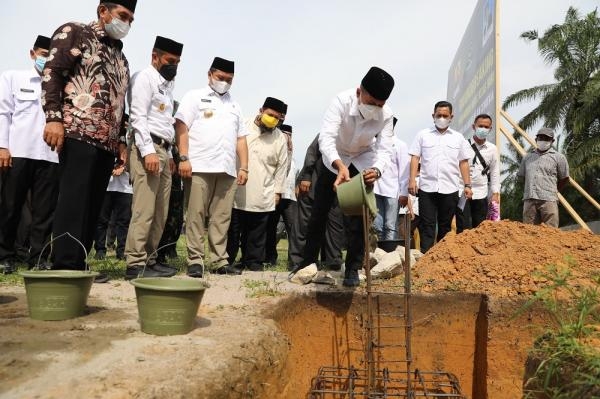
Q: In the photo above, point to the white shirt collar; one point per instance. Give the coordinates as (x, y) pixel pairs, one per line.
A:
(354, 107)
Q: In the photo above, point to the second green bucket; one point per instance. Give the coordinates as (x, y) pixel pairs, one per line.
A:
(168, 306)
(353, 194)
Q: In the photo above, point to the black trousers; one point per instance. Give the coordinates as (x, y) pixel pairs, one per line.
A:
(288, 211)
(84, 174)
(119, 204)
(325, 199)
(331, 244)
(474, 213)
(24, 230)
(41, 177)
(174, 222)
(247, 231)
(435, 208)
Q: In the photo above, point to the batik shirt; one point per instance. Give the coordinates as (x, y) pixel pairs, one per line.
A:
(84, 84)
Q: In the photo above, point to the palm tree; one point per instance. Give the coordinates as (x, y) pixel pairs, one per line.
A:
(574, 47)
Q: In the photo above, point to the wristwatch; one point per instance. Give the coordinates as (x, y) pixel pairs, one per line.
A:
(468, 186)
(377, 172)
(183, 158)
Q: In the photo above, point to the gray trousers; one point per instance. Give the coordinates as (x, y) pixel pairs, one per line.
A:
(539, 211)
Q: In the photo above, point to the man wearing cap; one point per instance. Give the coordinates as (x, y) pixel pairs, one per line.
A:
(267, 163)
(286, 208)
(150, 99)
(444, 156)
(83, 94)
(211, 136)
(356, 137)
(545, 172)
(26, 162)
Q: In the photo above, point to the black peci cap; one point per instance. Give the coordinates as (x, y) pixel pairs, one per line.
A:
(378, 83)
(129, 4)
(42, 42)
(275, 104)
(168, 45)
(223, 65)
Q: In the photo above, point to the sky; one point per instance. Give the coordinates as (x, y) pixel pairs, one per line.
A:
(305, 52)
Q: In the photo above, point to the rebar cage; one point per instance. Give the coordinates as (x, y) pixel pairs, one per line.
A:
(389, 371)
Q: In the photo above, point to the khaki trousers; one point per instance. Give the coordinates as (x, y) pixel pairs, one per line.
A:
(149, 208)
(209, 195)
(539, 211)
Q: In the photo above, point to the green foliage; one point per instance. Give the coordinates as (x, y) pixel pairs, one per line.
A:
(566, 365)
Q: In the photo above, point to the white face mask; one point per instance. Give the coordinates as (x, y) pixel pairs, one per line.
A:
(442, 123)
(369, 112)
(117, 29)
(543, 146)
(220, 86)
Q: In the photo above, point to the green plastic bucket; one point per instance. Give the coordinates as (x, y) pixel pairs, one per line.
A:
(57, 294)
(353, 194)
(168, 306)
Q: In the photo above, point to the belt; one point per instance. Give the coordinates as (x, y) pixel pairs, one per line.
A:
(161, 142)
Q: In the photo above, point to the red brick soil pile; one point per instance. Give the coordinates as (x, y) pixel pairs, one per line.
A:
(505, 259)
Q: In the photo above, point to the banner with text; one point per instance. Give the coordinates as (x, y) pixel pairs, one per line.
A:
(472, 76)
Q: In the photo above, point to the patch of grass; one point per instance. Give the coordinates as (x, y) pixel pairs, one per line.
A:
(115, 268)
(14, 278)
(261, 288)
(565, 362)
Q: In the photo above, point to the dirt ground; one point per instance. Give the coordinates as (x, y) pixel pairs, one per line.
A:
(249, 344)
(507, 259)
(233, 351)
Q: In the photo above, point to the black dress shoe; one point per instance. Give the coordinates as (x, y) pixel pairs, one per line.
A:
(45, 265)
(228, 269)
(351, 278)
(168, 271)
(255, 267)
(195, 271)
(8, 266)
(101, 278)
(164, 266)
(135, 272)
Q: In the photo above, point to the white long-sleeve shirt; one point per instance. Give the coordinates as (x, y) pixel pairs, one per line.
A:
(215, 123)
(267, 165)
(22, 119)
(290, 181)
(120, 184)
(480, 185)
(150, 99)
(346, 135)
(393, 182)
(440, 155)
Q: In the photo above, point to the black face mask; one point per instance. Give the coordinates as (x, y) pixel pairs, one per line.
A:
(168, 71)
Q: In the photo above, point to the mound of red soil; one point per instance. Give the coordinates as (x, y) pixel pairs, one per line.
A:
(507, 259)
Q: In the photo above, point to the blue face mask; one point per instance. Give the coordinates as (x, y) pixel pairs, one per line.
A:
(40, 62)
(481, 132)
